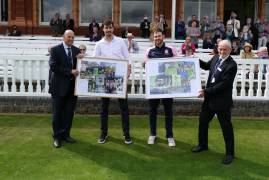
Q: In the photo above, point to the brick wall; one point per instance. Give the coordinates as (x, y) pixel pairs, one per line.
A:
(244, 108)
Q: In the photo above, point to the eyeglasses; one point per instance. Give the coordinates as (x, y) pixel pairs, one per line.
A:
(82, 49)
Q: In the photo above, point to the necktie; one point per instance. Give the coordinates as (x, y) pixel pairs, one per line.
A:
(69, 55)
(217, 65)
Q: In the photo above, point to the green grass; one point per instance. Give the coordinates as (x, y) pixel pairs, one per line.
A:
(26, 150)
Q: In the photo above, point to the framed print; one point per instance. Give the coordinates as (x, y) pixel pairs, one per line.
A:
(102, 77)
(172, 77)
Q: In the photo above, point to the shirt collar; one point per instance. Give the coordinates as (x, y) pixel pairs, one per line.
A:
(65, 46)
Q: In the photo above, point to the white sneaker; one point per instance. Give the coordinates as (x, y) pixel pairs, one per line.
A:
(171, 142)
(151, 139)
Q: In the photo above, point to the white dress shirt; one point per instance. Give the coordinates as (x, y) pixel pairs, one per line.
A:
(115, 49)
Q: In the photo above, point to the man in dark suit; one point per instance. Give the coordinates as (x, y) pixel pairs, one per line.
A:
(63, 71)
(218, 99)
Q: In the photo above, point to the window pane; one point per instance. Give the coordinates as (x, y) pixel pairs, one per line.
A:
(95, 8)
(200, 8)
(4, 10)
(50, 7)
(133, 11)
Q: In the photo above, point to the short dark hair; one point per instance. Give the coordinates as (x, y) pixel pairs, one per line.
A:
(159, 30)
(108, 22)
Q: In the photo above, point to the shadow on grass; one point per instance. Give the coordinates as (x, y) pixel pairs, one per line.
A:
(159, 161)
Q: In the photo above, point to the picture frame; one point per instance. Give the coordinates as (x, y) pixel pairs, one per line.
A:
(102, 77)
(172, 78)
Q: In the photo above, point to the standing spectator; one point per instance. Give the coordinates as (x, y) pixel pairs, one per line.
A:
(15, 31)
(162, 25)
(186, 44)
(56, 25)
(218, 30)
(68, 23)
(131, 44)
(63, 61)
(246, 35)
(161, 51)
(263, 30)
(205, 25)
(193, 18)
(218, 100)
(112, 47)
(95, 35)
(194, 33)
(93, 24)
(254, 31)
(180, 28)
(267, 45)
(153, 27)
(234, 26)
(144, 27)
(207, 41)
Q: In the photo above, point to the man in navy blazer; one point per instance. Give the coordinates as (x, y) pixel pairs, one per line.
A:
(63, 71)
(218, 99)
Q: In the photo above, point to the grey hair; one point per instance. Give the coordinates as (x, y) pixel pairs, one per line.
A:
(227, 43)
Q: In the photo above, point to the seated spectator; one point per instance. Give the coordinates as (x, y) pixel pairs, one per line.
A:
(215, 49)
(15, 31)
(235, 48)
(56, 25)
(68, 23)
(124, 32)
(193, 19)
(131, 44)
(187, 43)
(194, 33)
(263, 54)
(247, 52)
(83, 49)
(207, 41)
(95, 35)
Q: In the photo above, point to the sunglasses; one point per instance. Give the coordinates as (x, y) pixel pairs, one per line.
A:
(82, 49)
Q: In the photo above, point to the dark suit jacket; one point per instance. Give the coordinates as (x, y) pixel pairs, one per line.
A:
(218, 95)
(61, 81)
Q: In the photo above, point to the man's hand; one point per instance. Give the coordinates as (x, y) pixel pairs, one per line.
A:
(201, 93)
(75, 72)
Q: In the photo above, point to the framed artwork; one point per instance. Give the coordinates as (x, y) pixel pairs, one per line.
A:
(102, 77)
(172, 77)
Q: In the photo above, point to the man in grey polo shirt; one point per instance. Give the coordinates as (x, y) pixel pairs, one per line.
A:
(112, 47)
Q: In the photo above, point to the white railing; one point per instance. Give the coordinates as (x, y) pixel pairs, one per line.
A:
(27, 75)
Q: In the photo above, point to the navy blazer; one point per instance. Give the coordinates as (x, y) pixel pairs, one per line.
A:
(61, 81)
(218, 94)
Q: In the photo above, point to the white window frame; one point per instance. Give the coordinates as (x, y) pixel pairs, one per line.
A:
(2, 22)
(136, 24)
(100, 23)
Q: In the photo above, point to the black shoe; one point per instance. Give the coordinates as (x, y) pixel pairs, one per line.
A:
(69, 139)
(127, 139)
(228, 159)
(198, 149)
(57, 143)
(102, 138)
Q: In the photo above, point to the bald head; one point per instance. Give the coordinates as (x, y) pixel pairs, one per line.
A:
(224, 48)
(68, 37)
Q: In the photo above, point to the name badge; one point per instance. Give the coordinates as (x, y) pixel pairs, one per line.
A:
(213, 80)
(219, 69)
